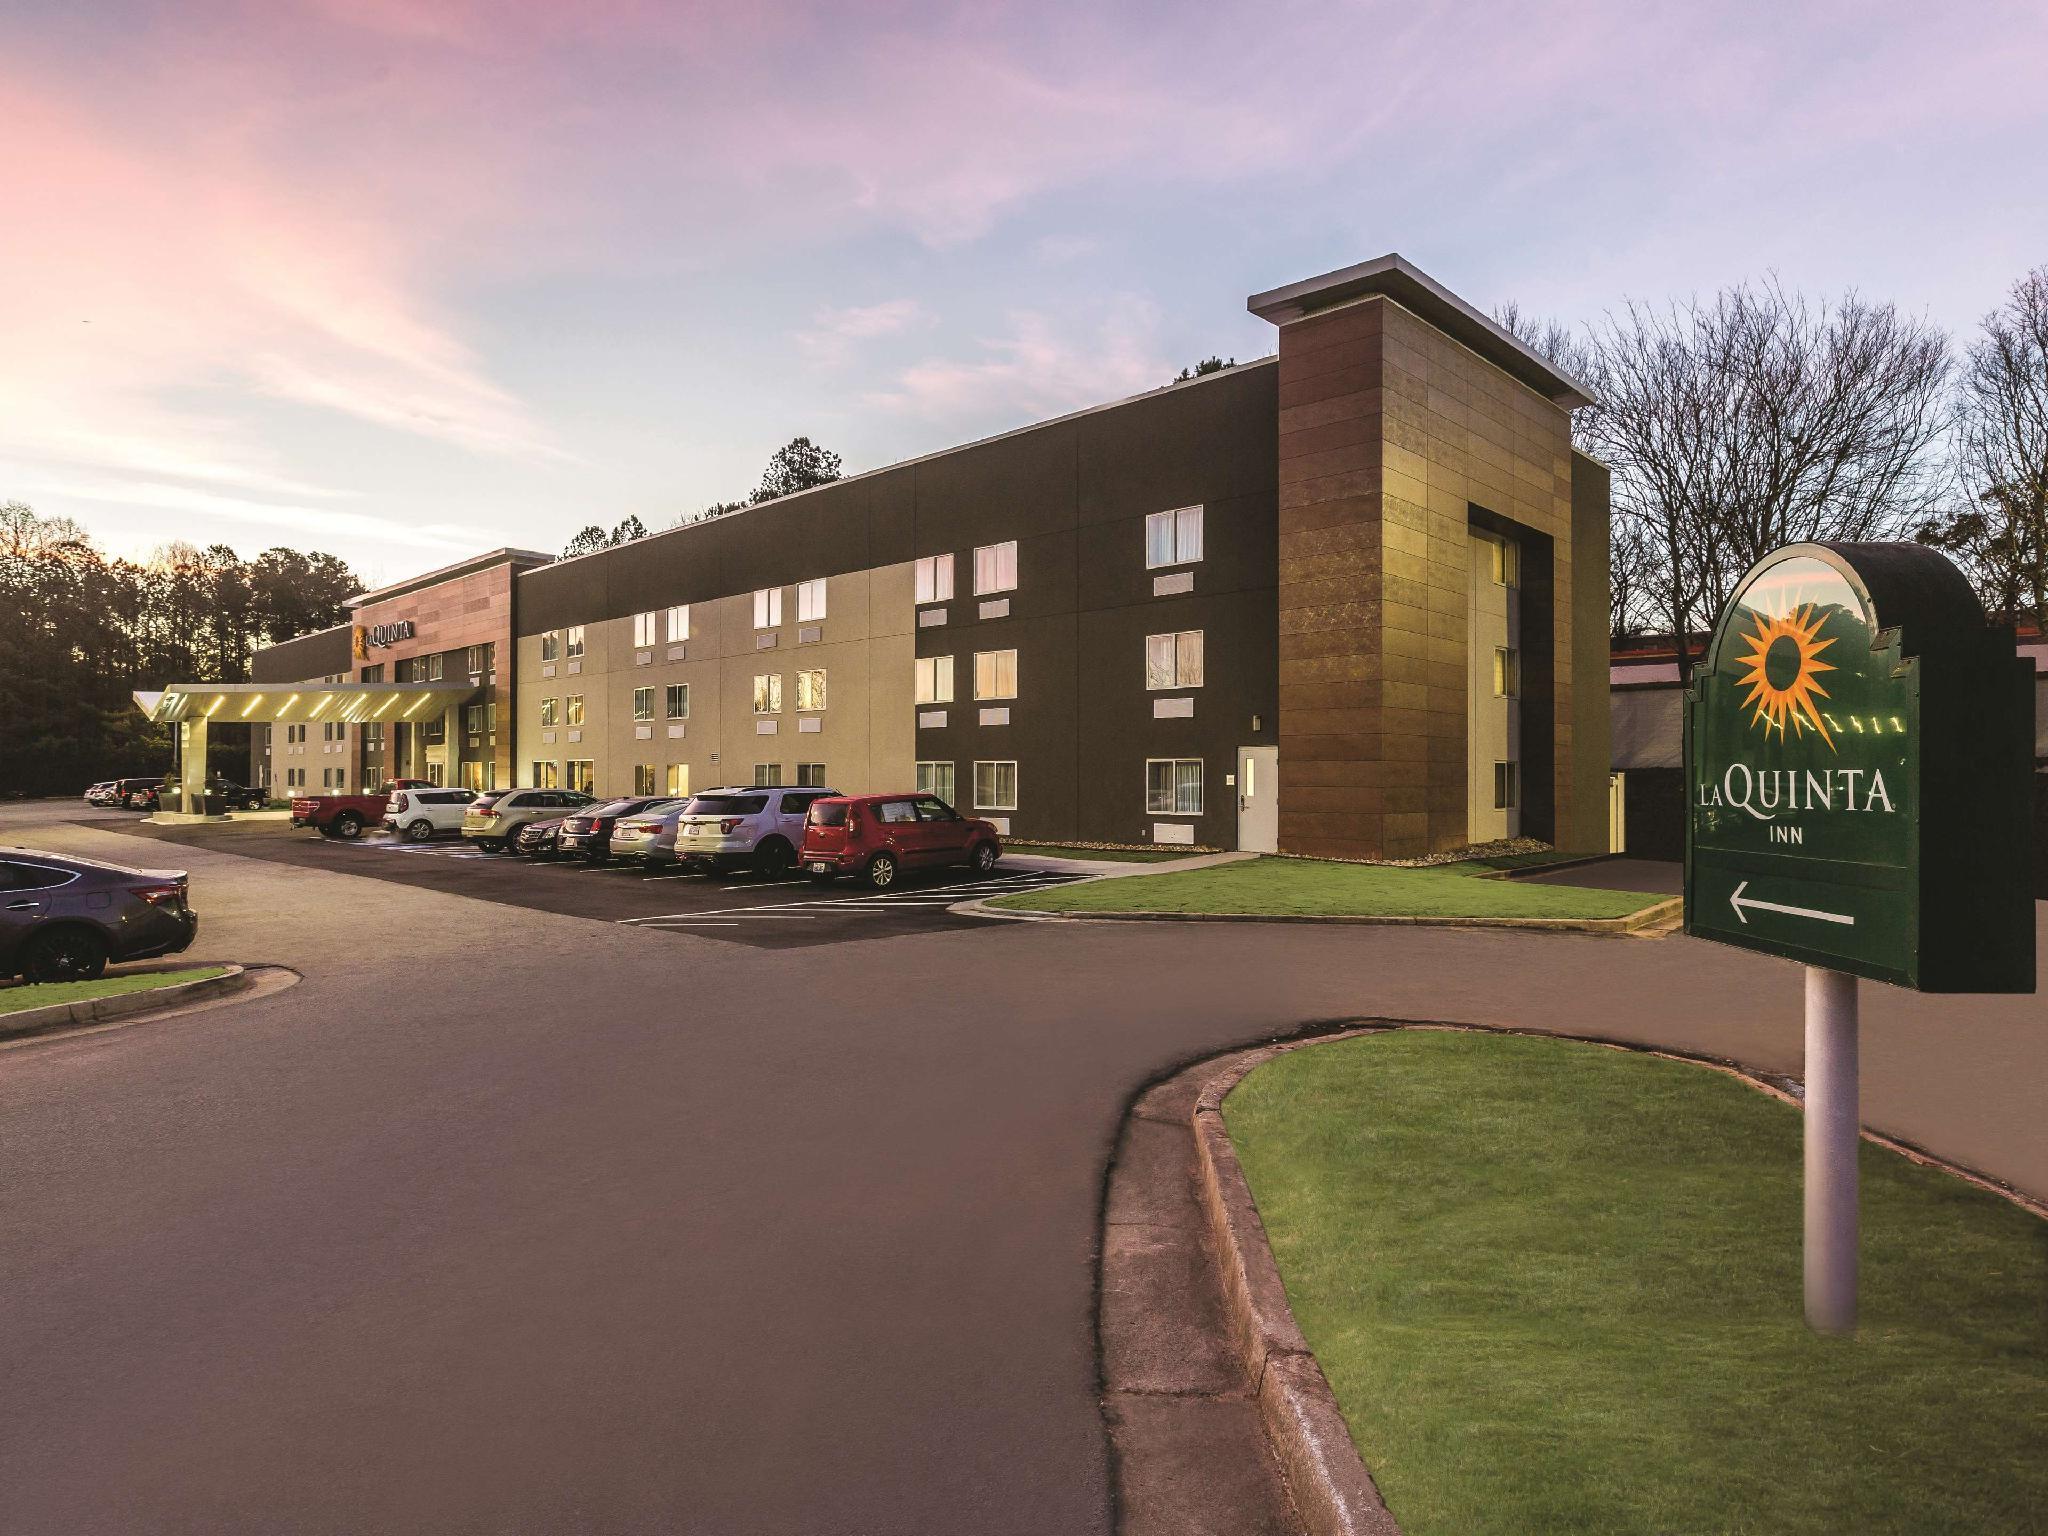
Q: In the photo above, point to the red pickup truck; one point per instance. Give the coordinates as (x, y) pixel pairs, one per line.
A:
(347, 815)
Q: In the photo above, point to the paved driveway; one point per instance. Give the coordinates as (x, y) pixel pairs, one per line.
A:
(510, 1221)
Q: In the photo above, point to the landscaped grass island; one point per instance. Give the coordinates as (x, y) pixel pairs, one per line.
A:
(1556, 1288)
(1107, 855)
(43, 994)
(1276, 887)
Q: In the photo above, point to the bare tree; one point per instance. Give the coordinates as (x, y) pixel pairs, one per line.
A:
(1750, 420)
(2001, 533)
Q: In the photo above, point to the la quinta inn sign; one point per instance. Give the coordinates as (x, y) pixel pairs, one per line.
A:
(1859, 750)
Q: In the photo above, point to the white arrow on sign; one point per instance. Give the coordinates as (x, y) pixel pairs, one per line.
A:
(1738, 901)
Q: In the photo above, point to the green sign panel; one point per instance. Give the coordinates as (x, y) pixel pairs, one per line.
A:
(1859, 760)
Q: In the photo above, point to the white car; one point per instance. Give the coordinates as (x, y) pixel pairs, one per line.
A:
(419, 814)
(726, 829)
(649, 836)
(101, 793)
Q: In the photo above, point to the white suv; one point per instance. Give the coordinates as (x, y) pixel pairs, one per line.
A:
(417, 814)
(725, 829)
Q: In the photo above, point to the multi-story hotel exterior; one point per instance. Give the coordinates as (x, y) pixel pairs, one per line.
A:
(1348, 600)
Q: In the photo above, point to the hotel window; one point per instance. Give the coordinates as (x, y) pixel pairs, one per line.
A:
(810, 689)
(643, 628)
(936, 779)
(573, 640)
(477, 659)
(810, 601)
(548, 711)
(403, 672)
(546, 775)
(436, 664)
(679, 622)
(575, 710)
(995, 568)
(995, 674)
(643, 703)
(551, 645)
(1507, 672)
(473, 719)
(679, 701)
(810, 775)
(1175, 660)
(934, 680)
(1173, 538)
(1504, 786)
(934, 575)
(678, 779)
(583, 775)
(995, 787)
(768, 608)
(1173, 786)
(643, 778)
(767, 775)
(1507, 562)
(373, 738)
(768, 694)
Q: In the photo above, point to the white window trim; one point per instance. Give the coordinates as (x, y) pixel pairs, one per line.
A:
(1173, 535)
(805, 591)
(678, 622)
(917, 679)
(1014, 670)
(1202, 781)
(767, 608)
(999, 585)
(1177, 684)
(773, 692)
(823, 694)
(1015, 780)
(936, 566)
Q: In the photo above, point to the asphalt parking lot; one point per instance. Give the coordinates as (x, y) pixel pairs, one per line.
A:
(789, 912)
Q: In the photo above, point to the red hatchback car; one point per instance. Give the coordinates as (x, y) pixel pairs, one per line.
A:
(878, 837)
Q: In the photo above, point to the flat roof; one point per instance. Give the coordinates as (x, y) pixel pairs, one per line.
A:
(1395, 277)
(521, 557)
(350, 703)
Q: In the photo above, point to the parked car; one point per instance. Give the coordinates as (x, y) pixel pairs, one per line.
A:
(495, 815)
(230, 795)
(727, 829)
(345, 816)
(62, 918)
(880, 836)
(417, 814)
(590, 832)
(137, 794)
(101, 793)
(538, 839)
(649, 836)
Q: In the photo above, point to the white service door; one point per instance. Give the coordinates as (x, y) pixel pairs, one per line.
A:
(1258, 799)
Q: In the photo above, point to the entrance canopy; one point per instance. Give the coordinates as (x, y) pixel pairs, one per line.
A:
(350, 703)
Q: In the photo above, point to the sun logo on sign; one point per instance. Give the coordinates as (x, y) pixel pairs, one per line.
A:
(1784, 672)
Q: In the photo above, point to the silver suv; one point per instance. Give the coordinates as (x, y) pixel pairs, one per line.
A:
(726, 829)
(493, 816)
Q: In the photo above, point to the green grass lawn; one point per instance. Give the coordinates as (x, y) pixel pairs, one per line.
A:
(1113, 855)
(1556, 1288)
(15, 997)
(1310, 887)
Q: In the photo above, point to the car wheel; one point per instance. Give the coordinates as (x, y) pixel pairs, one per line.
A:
(882, 871)
(348, 825)
(983, 858)
(419, 831)
(64, 954)
(773, 856)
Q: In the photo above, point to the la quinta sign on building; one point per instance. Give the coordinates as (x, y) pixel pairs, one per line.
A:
(1859, 755)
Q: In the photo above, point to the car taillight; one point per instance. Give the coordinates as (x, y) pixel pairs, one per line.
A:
(852, 821)
(731, 824)
(160, 895)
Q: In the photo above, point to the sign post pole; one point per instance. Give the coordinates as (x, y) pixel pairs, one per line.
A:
(1832, 1129)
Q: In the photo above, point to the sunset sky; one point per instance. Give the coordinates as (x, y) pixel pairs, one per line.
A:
(409, 280)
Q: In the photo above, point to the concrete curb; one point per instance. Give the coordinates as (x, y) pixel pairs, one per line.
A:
(1648, 917)
(1333, 1492)
(98, 1010)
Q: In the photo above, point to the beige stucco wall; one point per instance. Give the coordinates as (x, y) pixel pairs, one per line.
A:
(863, 736)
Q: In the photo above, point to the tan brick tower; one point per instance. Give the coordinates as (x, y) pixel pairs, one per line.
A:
(1411, 425)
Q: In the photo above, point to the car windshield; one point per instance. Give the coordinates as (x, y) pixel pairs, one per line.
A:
(728, 805)
(828, 813)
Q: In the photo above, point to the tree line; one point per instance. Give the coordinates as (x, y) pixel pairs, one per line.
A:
(1759, 417)
(84, 629)
(796, 466)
